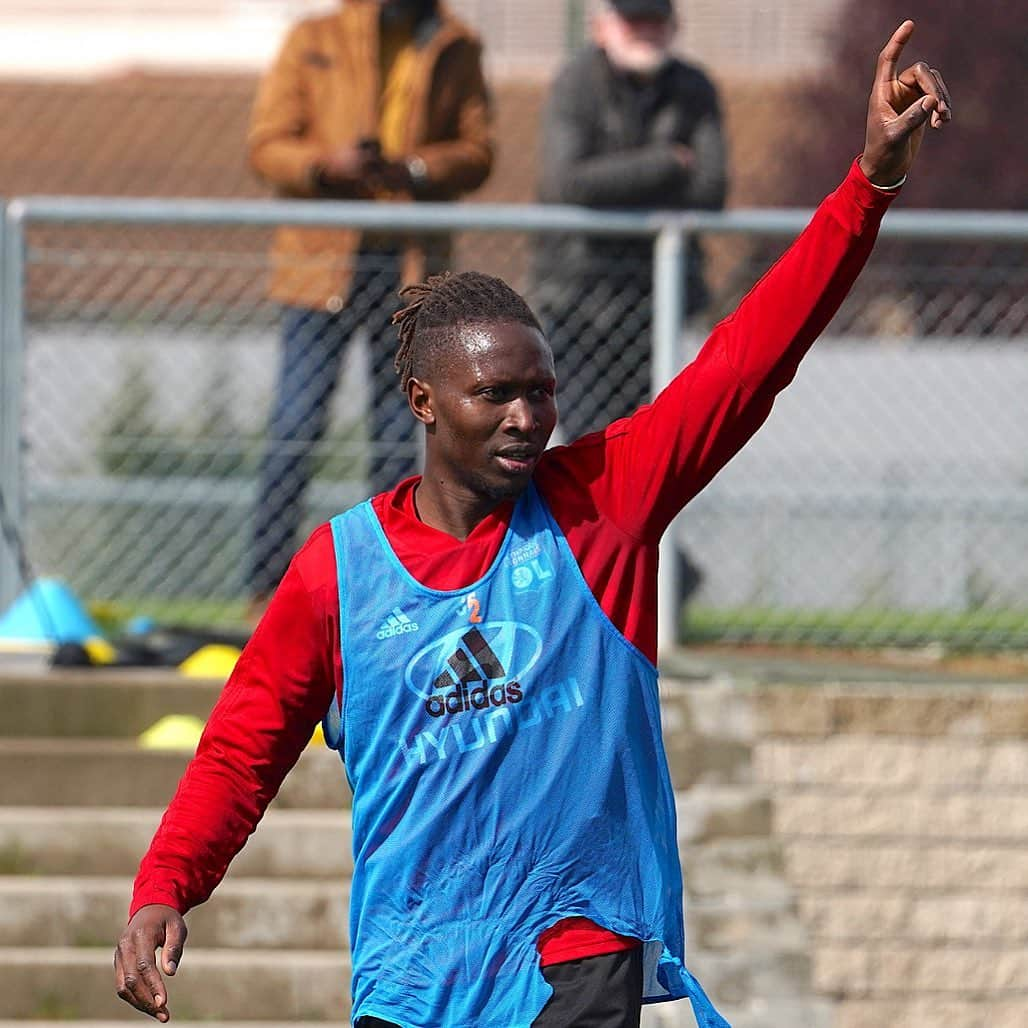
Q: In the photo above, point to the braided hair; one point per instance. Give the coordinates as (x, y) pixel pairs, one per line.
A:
(441, 306)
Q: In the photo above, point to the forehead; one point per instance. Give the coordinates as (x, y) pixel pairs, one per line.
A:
(504, 350)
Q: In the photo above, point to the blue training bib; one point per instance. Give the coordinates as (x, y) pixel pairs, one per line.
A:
(503, 744)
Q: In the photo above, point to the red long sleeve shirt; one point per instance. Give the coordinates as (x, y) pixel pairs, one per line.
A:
(613, 493)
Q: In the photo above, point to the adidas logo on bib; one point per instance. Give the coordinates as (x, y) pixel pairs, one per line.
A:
(397, 623)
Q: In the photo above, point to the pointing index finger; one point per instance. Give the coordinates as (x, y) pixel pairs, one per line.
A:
(888, 59)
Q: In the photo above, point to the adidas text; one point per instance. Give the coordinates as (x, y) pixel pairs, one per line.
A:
(397, 623)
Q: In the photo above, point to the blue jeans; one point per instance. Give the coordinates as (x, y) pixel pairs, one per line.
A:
(313, 345)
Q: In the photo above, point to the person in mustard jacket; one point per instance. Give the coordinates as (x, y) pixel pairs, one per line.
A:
(380, 100)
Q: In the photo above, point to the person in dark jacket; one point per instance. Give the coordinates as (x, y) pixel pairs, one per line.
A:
(626, 125)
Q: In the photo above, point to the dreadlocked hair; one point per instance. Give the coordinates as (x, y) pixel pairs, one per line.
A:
(442, 305)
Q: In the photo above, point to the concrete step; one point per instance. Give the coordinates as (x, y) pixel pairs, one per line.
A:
(727, 924)
(760, 1013)
(178, 1017)
(214, 985)
(102, 772)
(736, 978)
(716, 709)
(111, 841)
(258, 913)
(798, 1014)
(704, 760)
(108, 703)
(726, 885)
(73, 911)
(708, 812)
(755, 855)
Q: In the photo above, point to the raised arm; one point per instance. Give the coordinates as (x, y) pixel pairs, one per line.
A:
(669, 450)
(279, 690)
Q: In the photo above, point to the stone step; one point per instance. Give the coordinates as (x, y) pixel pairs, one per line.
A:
(755, 855)
(760, 1013)
(178, 1017)
(74, 911)
(727, 924)
(111, 841)
(702, 760)
(734, 979)
(715, 709)
(214, 985)
(259, 913)
(708, 735)
(117, 773)
(707, 812)
(112, 703)
(724, 884)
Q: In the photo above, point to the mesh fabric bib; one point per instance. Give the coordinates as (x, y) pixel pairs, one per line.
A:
(503, 745)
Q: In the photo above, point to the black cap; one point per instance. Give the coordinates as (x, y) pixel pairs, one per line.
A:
(642, 8)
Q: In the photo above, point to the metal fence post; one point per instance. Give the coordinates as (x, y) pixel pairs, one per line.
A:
(668, 305)
(12, 254)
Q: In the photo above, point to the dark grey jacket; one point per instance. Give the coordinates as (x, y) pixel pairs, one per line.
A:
(607, 141)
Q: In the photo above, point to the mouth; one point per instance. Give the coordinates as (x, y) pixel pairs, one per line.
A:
(516, 460)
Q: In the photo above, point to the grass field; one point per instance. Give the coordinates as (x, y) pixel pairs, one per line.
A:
(974, 631)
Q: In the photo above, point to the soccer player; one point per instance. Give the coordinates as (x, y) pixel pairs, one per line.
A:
(482, 638)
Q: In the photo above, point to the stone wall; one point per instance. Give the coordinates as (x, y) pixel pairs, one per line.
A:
(855, 856)
(902, 813)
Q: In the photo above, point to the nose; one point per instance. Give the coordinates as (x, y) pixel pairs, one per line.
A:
(521, 415)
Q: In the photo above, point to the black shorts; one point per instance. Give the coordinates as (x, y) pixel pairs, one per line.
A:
(594, 992)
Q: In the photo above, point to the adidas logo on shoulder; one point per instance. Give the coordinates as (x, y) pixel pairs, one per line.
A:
(397, 623)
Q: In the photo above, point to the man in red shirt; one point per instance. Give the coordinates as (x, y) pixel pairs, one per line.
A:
(478, 375)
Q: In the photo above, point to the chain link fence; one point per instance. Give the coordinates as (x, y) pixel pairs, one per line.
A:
(886, 501)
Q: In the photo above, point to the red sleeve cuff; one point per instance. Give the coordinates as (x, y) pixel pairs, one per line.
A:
(867, 195)
(145, 896)
(857, 205)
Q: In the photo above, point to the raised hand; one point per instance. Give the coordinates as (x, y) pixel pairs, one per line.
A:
(136, 974)
(900, 109)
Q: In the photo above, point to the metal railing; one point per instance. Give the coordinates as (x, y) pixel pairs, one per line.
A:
(670, 235)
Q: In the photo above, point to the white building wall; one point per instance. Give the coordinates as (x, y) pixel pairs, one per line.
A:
(524, 38)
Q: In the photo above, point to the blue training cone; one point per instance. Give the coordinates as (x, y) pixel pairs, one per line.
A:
(47, 613)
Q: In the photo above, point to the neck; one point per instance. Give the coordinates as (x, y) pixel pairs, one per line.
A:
(450, 508)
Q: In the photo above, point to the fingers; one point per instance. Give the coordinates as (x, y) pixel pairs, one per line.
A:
(888, 59)
(916, 114)
(174, 940)
(136, 977)
(920, 78)
(946, 111)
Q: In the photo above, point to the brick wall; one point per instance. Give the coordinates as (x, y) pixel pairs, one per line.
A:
(902, 813)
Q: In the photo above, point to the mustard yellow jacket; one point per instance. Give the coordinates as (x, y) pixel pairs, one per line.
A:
(322, 92)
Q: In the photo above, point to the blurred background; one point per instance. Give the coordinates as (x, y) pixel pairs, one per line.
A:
(855, 846)
(885, 502)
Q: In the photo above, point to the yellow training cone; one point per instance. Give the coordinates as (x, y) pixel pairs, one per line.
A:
(99, 650)
(173, 732)
(211, 661)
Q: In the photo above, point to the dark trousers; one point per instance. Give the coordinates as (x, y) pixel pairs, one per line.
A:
(312, 350)
(595, 992)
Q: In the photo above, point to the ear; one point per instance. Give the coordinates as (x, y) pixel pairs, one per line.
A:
(421, 401)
